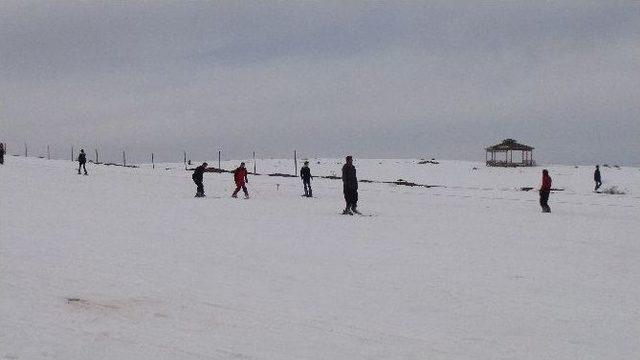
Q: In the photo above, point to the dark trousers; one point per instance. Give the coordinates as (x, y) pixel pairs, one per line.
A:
(199, 188)
(1, 159)
(307, 187)
(351, 198)
(544, 200)
(598, 184)
(82, 166)
(238, 187)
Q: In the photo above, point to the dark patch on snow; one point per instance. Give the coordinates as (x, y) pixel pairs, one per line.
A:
(281, 175)
(120, 165)
(528, 188)
(432, 161)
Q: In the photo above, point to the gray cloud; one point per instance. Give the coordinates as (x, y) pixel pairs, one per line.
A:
(373, 79)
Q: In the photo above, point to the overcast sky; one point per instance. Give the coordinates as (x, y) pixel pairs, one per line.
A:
(439, 79)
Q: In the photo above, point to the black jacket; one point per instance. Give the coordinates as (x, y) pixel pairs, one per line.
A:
(82, 158)
(596, 175)
(349, 178)
(305, 173)
(197, 173)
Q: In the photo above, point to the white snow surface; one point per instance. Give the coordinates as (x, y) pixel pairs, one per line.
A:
(127, 264)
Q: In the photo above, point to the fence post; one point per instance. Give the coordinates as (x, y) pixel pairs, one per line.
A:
(124, 158)
(71, 152)
(26, 153)
(295, 161)
(48, 153)
(184, 153)
(96, 150)
(153, 164)
(254, 163)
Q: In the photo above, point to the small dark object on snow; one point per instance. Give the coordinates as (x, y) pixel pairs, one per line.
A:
(432, 161)
(527, 188)
(282, 175)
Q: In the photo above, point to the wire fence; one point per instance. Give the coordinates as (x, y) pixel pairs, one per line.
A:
(123, 159)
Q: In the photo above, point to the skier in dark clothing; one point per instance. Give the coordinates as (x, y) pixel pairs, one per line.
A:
(545, 189)
(197, 179)
(240, 178)
(305, 175)
(597, 178)
(82, 161)
(350, 187)
(2, 151)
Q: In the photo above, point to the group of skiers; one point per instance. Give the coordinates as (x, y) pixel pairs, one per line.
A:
(240, 177)
(350, 184)
(545, 187)
(349, 181)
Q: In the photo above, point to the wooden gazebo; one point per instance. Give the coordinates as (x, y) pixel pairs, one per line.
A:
(502, 154)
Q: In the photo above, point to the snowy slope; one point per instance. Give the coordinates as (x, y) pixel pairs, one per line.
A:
(471, 270)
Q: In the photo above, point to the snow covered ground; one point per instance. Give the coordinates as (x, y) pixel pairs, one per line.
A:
(127, 264)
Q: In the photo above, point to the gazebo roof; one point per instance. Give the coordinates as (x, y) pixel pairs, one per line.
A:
(509, 144)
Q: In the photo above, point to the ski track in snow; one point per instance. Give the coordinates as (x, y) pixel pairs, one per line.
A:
(126, 264)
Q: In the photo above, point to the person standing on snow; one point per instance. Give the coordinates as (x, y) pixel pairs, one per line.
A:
(597, 178)
(197, 179)
(350, 187)
(545, 189)
(82, 161)
(305, 175)
(2, 151)
(240, 177)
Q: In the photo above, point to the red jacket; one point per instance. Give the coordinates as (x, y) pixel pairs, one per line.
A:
(546, 183)
(240, 176)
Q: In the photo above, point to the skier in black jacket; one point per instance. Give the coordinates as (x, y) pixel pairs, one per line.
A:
(2, 153)
(350, 187)
(305, 175)
(197, 179)
(82, 161)
(597, 178)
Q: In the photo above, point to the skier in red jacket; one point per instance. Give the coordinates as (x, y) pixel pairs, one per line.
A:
(545, 189)
(240, 177)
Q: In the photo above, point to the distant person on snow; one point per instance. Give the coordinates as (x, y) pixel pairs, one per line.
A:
(197, 179)
(350, 187)
(82, 161)
(2, 153)
(240, 177)
(597, 178)
(545, 189)
(305, 175)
